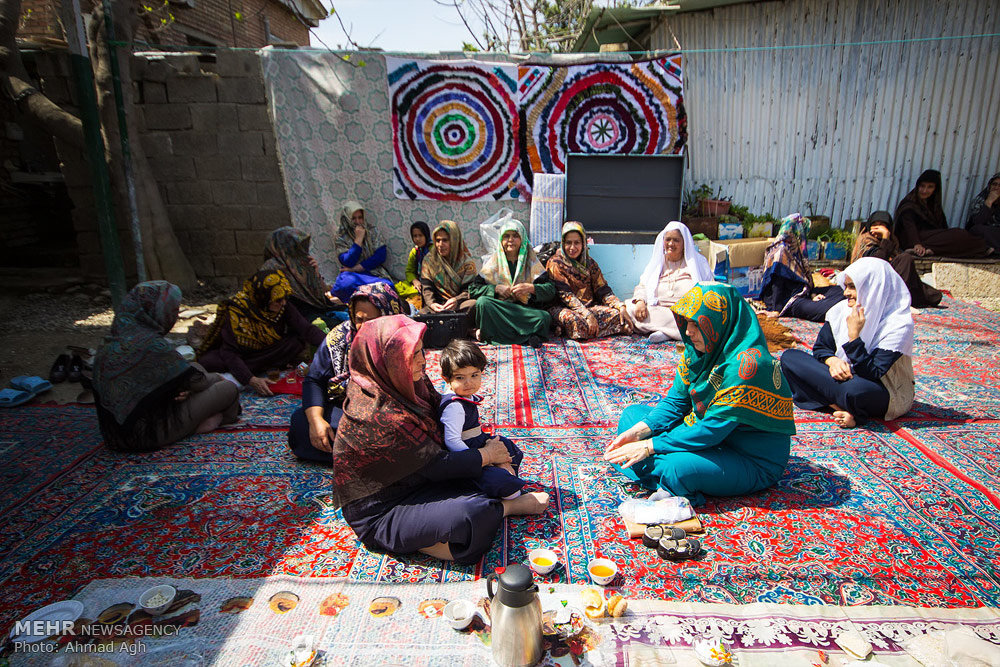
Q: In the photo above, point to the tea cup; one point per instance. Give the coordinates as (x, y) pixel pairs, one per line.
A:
(602, 571)
(542, 561)
(459, 613)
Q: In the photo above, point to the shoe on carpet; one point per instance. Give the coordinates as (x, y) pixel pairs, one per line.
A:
(60, 369)
(10, 398)
(75, 369)
(658, 337)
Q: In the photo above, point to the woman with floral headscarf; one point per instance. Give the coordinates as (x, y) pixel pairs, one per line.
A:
(146, 395)
(397, 486)
(787, 288)
(257, 330)
(512, 291)
(447, 272)
(860, 367)
(313, 425)
(588, 308)
(922, 226)
(361, 252)
(725, 427)
(287, 250)
(984, 213)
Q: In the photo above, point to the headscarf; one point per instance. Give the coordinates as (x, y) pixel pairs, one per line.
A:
(389, 428)
(886, 300)
(345, 235)
(135, 359)
(496, 271)
(428, 242)
(785, 259)
(926, 214)
(253, 325)
(697, 265)
(979, 203)
(287, 250)
(452, 274)
(867, 243)
(581, 277)
(338, 341)
(736, 378)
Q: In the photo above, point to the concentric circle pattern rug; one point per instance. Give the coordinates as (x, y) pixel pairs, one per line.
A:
(904, 513)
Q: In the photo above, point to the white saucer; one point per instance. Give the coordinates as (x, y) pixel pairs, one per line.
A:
(67, 610)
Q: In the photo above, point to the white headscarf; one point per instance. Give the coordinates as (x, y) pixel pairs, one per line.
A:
(697, 265)
(883, 295)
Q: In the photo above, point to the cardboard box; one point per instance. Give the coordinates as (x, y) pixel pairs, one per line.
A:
(747, 280)
(730, 230)
(747, 252)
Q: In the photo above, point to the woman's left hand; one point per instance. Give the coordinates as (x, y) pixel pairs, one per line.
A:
(182, 396)
(855, 322)
(523, 291)
(818, 297)
(629, 454)
(624, 318)
(313, 263)
(450, 304)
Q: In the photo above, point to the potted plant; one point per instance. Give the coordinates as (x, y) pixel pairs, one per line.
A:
(758, 226)
(713, 206)
(820, 223)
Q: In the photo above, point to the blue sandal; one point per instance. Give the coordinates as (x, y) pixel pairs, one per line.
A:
(32, 384)
(11, 398)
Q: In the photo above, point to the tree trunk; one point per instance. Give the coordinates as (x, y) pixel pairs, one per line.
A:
(164, 258)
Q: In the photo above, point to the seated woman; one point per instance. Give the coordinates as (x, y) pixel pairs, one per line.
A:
(361, 252)
(724, 428)
(313, 426)
(876, 240)
(673, 269)
(146, 395)
(860, 366)
(984, 213)
(257, 330)
(787, 288)
(398, 487)
(589, 308)
(512, 291)
(287, 250)
(410, 287)
(922, 226)
(447, 272)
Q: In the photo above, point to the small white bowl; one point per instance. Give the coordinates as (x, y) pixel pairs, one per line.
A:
(459, 613)
(165, 591)
(602, 579)
(544, 554)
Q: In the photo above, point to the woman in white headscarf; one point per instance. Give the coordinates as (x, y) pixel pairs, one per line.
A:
(861, 365)
(674, 268)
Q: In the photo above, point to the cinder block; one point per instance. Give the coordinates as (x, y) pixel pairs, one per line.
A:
(218, 168)
(234, 192)
(194, 192)
(197, 217)
(241, 143)
(977, 281)
(260, 169)
(235, 266)
(269, 217)
(156, 70)
(215, 242)
(166, 116)
(183, 63)
(215, 117)
(156, 144)
(251, 242)
(191, 88)
(237, 63)
(241, 90)
(227, 283)
(153, 92)
(254, 117)
(173, 168)
(272, 194)
(195, 143)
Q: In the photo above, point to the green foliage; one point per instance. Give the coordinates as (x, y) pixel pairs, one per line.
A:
(842, 237)
(469, 48)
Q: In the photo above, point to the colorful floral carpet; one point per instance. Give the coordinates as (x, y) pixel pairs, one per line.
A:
(906, 513)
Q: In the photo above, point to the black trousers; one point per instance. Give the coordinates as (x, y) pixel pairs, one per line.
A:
(814, 389)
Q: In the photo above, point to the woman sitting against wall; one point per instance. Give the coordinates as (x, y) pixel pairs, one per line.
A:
(588, 308)
(922, 226)
(673, 269)
(877, 240)
(787, 288)
(512, 292)
(361, 252)
(984, 213)
(287, 250)
(448, 271)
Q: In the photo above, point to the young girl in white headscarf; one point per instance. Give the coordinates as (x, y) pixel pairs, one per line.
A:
(860, 367)
(674, 268)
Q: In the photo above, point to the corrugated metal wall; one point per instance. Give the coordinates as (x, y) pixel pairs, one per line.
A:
(848, 128)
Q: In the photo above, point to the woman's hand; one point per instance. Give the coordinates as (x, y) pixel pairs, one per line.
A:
(321, 434)
(992, 196)
(503, 291)
(921, 250)
(855, 322)
(624, 318)
(359, 234)
(523, 291)
(629, 454)
(416, 285)
(436, 307)
(312, 262)
(450, 304)
(637, 432)
(840, 370)
(182, 396)
(818, 297)
(641, 311)
(261, 386)
(494, 453)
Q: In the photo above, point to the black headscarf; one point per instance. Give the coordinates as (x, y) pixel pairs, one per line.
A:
(925, 214)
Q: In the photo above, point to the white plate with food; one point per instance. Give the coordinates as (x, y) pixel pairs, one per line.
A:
(57, 612)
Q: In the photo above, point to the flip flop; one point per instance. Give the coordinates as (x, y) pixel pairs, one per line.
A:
(32, 384)
(10, 398)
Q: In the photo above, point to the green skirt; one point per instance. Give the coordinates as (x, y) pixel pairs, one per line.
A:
(503, 322)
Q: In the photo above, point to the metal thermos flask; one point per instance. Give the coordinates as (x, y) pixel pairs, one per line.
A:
(515, 617)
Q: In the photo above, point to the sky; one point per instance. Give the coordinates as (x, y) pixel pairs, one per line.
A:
(393, 25)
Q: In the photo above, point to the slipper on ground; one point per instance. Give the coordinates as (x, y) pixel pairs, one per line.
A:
(32, 384)
(10, 398)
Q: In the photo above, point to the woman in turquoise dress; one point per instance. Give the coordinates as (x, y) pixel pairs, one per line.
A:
(724, 428)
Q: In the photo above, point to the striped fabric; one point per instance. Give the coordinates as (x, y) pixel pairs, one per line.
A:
(547, 199)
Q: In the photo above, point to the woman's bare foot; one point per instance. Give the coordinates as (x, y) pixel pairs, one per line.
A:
(844, 419)
(526, 504)
(210, 424)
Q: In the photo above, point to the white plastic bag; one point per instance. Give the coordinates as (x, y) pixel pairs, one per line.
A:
(649, 511)
(489, 231)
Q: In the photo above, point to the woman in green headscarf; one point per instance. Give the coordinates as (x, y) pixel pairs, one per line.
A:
(512, 291)
(724, 428)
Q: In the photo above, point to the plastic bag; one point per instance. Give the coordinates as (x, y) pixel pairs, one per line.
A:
(653, 510)
(489, 231)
